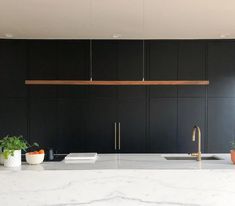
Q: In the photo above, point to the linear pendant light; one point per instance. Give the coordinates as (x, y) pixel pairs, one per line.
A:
(118, 83)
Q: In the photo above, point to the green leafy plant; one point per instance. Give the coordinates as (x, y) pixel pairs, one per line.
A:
(12, 143)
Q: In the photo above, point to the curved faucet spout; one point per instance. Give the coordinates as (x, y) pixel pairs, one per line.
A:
(197, 130)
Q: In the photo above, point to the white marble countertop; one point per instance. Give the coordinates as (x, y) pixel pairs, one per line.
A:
(120, 180)
(134, 161)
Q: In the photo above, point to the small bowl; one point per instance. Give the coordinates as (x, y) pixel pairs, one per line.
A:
(34, 159)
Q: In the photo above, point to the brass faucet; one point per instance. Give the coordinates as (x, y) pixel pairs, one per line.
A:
(197, 130)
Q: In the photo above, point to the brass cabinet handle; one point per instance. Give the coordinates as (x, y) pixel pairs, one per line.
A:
(115, 135)
(119, 135)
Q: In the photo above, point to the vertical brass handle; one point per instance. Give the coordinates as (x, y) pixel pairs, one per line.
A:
(119, 135)
(115, 135)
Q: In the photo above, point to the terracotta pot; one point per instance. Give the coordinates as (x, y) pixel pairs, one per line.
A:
(233, 156)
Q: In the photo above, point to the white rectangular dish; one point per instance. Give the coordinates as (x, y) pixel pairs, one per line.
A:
(81, 156)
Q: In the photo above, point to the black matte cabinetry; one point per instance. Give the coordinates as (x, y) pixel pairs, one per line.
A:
(162, 65)
(151, 118)
(42, 64)
(102, 99)
(101, 128)
(72, 124)
(163, 125)
(114, 112)
(131, 126)
(43, 122)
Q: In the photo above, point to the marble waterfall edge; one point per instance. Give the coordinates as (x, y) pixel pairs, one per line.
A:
(118, 187)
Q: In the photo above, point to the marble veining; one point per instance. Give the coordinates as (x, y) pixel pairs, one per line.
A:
(106, 184)
(117, 187)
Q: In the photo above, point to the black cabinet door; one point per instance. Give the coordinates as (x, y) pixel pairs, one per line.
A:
(192, 66)
(191, 111)
(221, 72)
(13, 117)
(163, 125)
(13, 68)
(72, 122)
(131, 126)
(104, 67)
(73, 64)
(101, 128)
(42, 63)
(162, 63)
(221, 119)
(43, 122)
(130, 67)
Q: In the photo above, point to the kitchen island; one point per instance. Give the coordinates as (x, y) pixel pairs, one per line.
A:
(122, 179)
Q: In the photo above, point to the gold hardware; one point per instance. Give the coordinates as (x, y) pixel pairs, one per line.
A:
(119, 135)
(115, 135)
(197, 130)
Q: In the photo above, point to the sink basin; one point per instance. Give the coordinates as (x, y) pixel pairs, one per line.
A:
(191, 158)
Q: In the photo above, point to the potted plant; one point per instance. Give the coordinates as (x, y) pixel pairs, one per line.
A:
(12, 146)
(1, 156)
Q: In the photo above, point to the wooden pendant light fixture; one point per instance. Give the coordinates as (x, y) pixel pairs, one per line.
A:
(117, 83)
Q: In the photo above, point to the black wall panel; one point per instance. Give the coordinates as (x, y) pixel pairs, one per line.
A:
(153, 119)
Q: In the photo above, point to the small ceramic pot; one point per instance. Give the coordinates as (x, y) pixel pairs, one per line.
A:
(13, 161)
(232, 156)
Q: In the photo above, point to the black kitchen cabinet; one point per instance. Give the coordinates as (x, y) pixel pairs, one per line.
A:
(124, 105)
(152, 118)
(42, 64)
(13, 117)
(101, 126)
(221, 124)
(221, 69)
(163, 125)
(13, 67)
(162, 62)
(130, 67)
(191, 111)
(104, 67)
(43, 122)
(73, 64)
(116, 127)
(192, 66)
(131, 126)
(72, 124)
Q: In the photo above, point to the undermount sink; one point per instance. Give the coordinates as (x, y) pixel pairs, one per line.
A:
(191, 158)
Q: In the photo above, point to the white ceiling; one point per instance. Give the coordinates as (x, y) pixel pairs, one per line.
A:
(125, 19)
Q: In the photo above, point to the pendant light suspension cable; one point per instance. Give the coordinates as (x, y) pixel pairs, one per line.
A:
(90, 60)
(143, 59)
